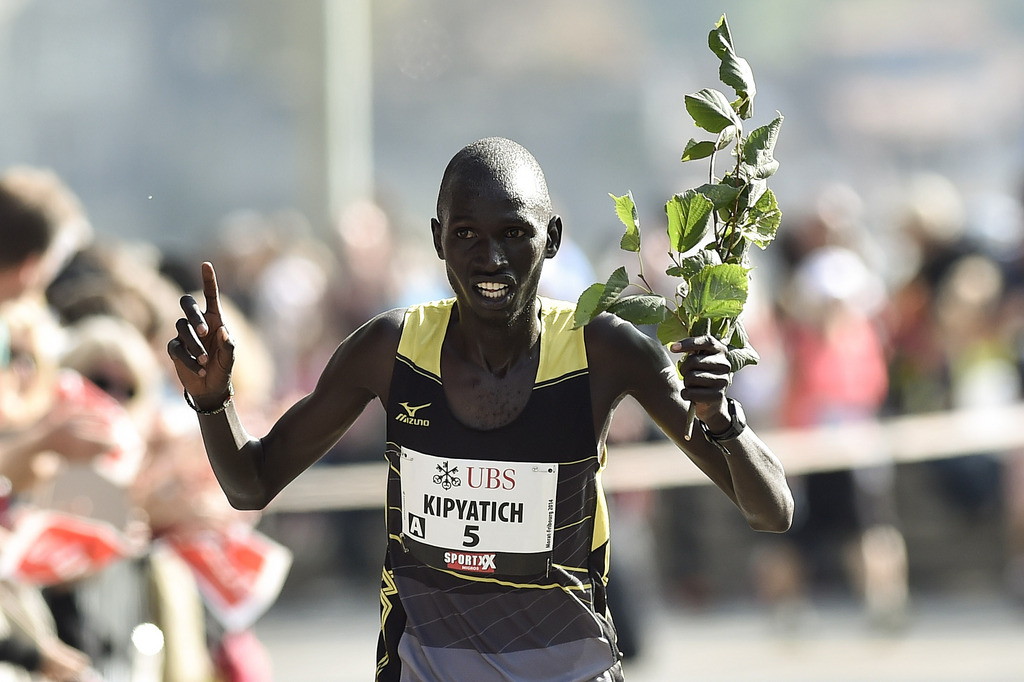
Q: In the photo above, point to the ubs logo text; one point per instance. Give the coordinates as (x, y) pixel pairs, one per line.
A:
(491, 478)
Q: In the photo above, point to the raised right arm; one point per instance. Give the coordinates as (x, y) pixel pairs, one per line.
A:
(252, 471)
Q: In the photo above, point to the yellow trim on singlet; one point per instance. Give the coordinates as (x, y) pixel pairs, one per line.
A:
(522, 586)
(602, 525)
(412, 366)
(423, 333)
(574, 523)
(562, 349)
(388, 589)
(573, 569)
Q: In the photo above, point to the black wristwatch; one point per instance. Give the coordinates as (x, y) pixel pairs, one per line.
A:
(736, 426)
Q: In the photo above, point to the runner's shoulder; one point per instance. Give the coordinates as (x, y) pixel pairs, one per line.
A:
(381, 332)
(366, 357)
(609, 337)
(371, 345)
(622, 358)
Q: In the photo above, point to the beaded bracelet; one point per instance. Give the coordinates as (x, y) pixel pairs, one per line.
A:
(209, 413)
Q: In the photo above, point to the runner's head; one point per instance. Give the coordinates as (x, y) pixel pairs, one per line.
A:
(495, 226)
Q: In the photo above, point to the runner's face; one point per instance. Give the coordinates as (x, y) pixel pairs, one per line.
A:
(494, 240)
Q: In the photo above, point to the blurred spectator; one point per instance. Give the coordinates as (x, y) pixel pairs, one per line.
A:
(247, 242)
(845, 530)
(34, 343)
(931, 237)
(58, 438)
(28, 647)
(116, 280)
(41, 224)
(981, 372)
(113, 354)
(951, 328)
(289, 298)
(175, 490)
(367, 279)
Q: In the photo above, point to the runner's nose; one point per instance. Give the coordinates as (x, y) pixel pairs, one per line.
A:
(495, 255)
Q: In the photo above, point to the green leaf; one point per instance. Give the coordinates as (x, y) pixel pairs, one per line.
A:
(711, 110)
(751, 193)
(617, 281)
(738, 252)
(597, 298)
(720, 328)
(640, 309)
(720, 38)
(698, 150)
(763, 220)
(722, 196)
(625, 208)
(691, 266)
(701, 326)
(734, 71)
(689, 218)
(586, 305)
(758, 154)
(671, 330)
(725, 137)
(740, 352)
(718, 291)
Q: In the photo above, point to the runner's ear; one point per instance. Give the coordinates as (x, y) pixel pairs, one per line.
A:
(435, 232)
(554, 236)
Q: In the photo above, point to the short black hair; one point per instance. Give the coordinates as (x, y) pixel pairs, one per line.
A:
(494, 158)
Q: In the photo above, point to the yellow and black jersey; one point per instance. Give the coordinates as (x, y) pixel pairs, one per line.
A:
(497, 554)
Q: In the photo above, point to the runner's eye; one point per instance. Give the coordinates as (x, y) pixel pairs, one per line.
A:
(515, 232)
(464, 233)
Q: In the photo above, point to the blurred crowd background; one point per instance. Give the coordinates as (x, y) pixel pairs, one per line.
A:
(298, 146)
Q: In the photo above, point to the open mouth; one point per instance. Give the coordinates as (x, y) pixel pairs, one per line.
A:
(493, 290)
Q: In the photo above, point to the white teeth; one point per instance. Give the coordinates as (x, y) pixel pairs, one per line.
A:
(492, 289)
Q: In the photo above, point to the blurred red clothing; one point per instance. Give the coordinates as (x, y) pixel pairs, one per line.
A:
(837, 370)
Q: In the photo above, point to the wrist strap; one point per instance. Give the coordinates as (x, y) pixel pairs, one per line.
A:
(209, 413)
(736, 427)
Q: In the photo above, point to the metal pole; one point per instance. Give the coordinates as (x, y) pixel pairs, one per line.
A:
(348, 87)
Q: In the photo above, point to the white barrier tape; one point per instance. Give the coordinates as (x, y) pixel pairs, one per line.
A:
(645, 466)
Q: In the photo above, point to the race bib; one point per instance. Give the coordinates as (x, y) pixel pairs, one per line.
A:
(478, 516)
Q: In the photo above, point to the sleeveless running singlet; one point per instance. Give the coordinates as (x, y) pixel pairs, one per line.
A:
(498, 540)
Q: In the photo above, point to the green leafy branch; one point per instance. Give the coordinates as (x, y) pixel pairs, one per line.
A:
(710, 227)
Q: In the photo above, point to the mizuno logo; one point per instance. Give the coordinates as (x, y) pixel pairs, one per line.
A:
(410, 415)
(412, 410)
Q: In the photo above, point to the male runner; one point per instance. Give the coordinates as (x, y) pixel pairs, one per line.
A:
(497, 410)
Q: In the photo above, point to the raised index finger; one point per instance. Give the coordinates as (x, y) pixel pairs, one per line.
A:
(210, 289)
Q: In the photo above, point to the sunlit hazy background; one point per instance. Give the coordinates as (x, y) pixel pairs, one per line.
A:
(184, 125)
(167, 116)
